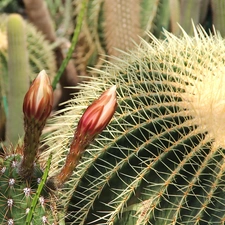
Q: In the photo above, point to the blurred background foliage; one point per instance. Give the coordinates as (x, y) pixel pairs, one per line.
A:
(109, 28)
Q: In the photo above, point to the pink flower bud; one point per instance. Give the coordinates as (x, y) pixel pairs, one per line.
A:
(94, 120)
(39, 98)
(98, 114)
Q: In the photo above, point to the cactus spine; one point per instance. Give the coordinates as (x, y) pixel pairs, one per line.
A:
(17, 195)
(161, 160)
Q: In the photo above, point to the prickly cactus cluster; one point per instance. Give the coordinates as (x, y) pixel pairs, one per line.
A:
(17, 195)
(161, 159)
(25, 197)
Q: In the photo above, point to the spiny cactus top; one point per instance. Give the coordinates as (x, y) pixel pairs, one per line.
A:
(161, 159)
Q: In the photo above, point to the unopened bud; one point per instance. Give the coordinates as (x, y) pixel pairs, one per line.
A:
(94, 120)
(39, 98)
(97, 115)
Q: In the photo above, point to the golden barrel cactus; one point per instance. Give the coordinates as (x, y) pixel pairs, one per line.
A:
(162, 158)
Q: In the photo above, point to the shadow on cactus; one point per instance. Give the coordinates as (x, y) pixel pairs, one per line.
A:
(161, 159)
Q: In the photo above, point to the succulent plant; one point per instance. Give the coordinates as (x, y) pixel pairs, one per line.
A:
(17, 77)
(161, 159)
(17, 195)
(106, 32)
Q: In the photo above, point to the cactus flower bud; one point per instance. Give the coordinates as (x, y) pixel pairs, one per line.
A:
(39, 98)
(98, 114)
(94, 120)
(37, 106)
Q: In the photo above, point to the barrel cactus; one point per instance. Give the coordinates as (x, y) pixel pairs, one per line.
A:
(161, 159)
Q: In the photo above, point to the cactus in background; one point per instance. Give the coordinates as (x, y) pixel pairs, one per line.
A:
(161, 159)
(218, 15)
(106, 31)
(18, 78)
(111, 27)
(10, 6)
(40, 52)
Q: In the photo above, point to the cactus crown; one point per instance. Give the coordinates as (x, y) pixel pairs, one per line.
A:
(161, 159)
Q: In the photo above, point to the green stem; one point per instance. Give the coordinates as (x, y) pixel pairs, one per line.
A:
(72, 47)
(40, 187)
(32, 135)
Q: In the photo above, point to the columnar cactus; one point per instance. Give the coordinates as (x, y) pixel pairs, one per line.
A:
(18, 75)
(161, 159)
(105, 31)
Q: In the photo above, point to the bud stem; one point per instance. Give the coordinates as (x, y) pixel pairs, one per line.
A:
(33, 131)
(76, 149)
(37, 106)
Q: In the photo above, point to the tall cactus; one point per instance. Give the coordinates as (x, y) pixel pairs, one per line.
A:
(18, 78)
(112, 26)
(161, 160)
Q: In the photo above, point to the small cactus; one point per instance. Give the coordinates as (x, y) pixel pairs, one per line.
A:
(161, 159)
(28, 194)
(21, 176)
(17, 195)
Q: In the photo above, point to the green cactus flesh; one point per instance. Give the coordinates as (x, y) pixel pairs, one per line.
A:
(17, 195)
(161, 160)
